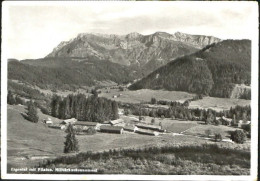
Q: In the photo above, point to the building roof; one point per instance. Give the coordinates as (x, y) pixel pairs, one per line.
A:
(72, 120)
(148, 126)
(226, 119)
(85, 123)
(111, 128)
(148, 132)
(130, 127)
(117, 121)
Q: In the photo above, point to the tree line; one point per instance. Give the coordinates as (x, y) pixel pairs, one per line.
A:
(93, 108)
(181, 111)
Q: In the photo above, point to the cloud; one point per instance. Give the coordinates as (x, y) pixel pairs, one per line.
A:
(34, 30)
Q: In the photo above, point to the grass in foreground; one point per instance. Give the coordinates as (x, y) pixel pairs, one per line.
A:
(207, 159)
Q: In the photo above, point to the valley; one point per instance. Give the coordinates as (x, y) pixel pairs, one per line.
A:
(122, 100)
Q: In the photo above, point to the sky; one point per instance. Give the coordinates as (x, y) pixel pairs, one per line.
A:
(33, 29)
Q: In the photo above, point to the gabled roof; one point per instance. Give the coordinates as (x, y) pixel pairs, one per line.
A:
(130, 127)
(148, 126)
(148, 132)
(111, 128)
(72, 120)
(85, 123)
(117, 121)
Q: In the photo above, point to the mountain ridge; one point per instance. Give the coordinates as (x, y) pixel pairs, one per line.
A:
(133, 49)
(214, 70)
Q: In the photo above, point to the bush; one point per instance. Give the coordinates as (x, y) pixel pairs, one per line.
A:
(208, 132)
(216, 122)
(238, 136)
(153, 100)
(247, 128)
(91, 131)
(218, 137)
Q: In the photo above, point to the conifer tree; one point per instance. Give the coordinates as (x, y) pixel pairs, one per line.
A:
(32, 113)
(71, 143)
(10, 98)
(115, 110)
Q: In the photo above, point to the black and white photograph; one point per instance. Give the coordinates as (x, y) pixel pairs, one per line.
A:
(154, 90)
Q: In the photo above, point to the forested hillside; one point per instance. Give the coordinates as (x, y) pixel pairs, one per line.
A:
(59, 72)
(212, 71)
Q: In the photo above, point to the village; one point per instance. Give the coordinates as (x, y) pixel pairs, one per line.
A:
(123, 125)
(131, 124)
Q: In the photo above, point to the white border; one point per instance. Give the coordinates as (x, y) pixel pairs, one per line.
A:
(254, 107)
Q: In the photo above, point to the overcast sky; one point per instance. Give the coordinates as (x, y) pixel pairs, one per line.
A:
(33, 30)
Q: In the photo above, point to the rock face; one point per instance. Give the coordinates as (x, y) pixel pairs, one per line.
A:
(143, 51)
(199, 41)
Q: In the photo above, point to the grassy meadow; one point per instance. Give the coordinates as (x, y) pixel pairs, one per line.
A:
(145, 95)
(210, 159)
(31, 144)
(218, 104)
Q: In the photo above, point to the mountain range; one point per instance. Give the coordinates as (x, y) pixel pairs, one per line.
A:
(145, 52)
(192, 63)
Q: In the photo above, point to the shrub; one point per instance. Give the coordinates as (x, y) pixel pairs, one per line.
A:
(247, 128)
(238, 136)
(208, 132)
(153, 100)
(218, 137)
(91, 131)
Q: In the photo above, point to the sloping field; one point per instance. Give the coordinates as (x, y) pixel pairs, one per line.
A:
(218, 104)
(145, 95)
(26, 139)
(200, 130)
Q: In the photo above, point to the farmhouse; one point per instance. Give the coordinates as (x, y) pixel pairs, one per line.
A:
(120, 111)
(130, 128)
(111, 129)
(240, 123)
(57, 126)
(84, 125)
(225, 121)
(47, 121)
(116, 122)
(147, 126)
(147, 132)
(134, 119)
(71, 121)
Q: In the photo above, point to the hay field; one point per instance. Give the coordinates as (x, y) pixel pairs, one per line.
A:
(145, 95)
(218, 104)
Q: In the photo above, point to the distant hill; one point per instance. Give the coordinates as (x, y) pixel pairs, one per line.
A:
(214, 70)
(59, 72)
(145, 52)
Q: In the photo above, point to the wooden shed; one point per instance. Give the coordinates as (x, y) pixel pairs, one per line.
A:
(130, 128)
(148, 126)
(111, 129)
(116, 122)
(57, 126)
(147, 132)
(71, 121)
